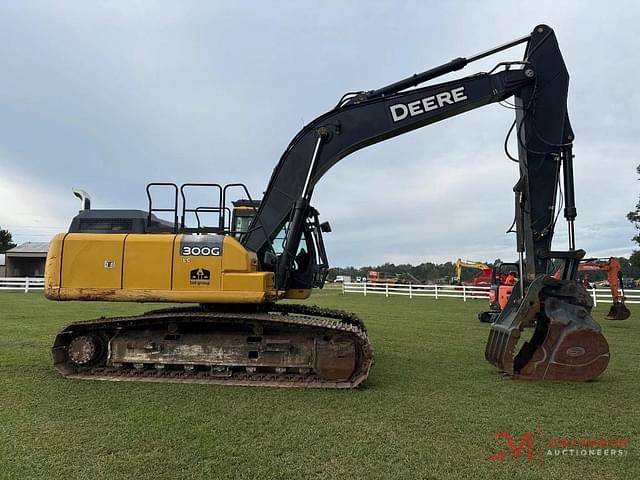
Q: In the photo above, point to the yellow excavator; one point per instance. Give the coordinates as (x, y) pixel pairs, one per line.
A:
(483, 278)
(232, 269)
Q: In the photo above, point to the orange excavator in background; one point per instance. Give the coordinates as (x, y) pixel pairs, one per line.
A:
(503, 278)
(611, 266)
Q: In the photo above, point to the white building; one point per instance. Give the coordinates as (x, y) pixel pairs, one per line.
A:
(26, 260)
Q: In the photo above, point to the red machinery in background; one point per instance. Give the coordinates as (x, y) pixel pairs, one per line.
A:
(503, 279)
(381, 277)
(502, 282)
(482, 279)
(611, 266)
(404, 278)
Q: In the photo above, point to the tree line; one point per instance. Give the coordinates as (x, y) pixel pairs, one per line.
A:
(429, 272)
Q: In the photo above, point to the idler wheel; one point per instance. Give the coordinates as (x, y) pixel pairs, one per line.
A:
(85, 350)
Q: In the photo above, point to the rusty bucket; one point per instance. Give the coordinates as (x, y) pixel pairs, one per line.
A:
(566, 344)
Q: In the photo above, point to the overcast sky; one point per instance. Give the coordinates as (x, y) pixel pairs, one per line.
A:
(108, 96)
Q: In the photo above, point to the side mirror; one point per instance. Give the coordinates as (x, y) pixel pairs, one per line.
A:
(270, 259)
(325, 227)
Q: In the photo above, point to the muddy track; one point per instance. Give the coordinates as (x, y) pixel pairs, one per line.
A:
(283, 318)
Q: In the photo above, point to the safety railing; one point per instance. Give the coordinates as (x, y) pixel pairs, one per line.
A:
(25, 284)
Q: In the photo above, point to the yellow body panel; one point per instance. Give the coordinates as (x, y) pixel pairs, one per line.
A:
(52, 267)
(147, 262)
(236, 258)
(155, 268)
(92, 260)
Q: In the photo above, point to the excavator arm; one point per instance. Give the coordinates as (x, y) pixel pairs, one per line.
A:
(539, 84)
(567, 343)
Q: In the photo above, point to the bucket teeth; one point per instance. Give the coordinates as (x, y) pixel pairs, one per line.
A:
(566, 344)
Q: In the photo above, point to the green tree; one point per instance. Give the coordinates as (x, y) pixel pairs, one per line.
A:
(634, 217)
(635, 259)
(6, 241)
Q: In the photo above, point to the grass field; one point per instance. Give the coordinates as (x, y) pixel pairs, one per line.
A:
(430, 408)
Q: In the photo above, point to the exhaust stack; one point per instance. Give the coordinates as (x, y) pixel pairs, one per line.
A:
(85, 199)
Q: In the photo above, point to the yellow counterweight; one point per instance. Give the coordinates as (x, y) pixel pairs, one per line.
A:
(155, 268)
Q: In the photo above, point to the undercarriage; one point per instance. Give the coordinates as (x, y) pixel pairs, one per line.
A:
(280, 345)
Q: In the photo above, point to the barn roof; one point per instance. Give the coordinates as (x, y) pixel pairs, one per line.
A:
(29, 249)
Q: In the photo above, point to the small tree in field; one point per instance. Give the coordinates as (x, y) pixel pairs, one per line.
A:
(634, 217)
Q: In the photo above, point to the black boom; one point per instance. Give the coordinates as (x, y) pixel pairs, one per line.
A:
(539, 84)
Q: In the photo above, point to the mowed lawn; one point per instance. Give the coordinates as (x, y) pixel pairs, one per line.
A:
(430, 408)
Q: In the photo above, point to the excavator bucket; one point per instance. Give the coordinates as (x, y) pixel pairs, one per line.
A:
(566, 345)
(618, 311)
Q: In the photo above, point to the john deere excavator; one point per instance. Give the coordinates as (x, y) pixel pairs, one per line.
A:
(238, 334)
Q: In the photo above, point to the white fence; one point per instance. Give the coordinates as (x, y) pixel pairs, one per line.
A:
(603, 295)
(25, 284)
(465, 292)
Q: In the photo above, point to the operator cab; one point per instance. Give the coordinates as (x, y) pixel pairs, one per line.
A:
(310, 266)
(244, 212)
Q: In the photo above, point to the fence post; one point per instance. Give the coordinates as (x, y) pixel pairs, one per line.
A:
(410, 294)
(464, 293)
(436, 290)
(342, 288)
(594, 295)
(386, 290)
(26, 285)
(365, 288)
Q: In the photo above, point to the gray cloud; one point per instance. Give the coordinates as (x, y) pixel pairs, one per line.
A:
(110, 96)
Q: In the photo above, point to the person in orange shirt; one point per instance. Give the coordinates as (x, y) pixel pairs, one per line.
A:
(511, 279)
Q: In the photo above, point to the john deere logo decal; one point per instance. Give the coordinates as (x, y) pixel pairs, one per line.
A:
(199, 276)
